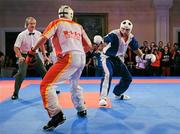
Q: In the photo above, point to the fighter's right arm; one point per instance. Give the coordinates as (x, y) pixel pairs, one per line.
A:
(49, 31)
(143, 56)
(135, 47)
(86, 41)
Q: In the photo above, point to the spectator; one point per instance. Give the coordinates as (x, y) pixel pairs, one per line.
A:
(160, 46)
(89, 69)
(166, 62)
(177, 60)
(155, 67)
(142, 66)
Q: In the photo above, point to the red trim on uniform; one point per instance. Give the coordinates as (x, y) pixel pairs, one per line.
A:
(52, 75)
(51, 25)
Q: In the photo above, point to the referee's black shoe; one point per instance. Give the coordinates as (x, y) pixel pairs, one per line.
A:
(55, 121)
(14, 97)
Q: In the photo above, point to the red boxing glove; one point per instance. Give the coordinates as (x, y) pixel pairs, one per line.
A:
(30, 56)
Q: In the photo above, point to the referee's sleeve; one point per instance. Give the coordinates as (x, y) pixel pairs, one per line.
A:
(18, 41)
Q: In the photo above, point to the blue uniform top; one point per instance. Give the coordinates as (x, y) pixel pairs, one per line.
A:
(116, 46)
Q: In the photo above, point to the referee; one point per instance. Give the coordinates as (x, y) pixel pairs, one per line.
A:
(23, 44)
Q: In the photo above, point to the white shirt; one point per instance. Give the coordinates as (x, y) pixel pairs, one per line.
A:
(116, 45)
(66, 36)
(122, 44)
(25, 41)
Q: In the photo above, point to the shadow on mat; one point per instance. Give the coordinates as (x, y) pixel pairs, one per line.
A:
(10, 108)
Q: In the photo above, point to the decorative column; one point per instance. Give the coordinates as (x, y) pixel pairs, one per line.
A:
(162, 19)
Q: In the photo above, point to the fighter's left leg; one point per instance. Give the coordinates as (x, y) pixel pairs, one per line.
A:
(78, 98)
(77, 91)
(59, 72)
(106, 81)
(125, 81)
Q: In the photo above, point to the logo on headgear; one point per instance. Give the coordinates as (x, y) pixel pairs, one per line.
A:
(66, 12)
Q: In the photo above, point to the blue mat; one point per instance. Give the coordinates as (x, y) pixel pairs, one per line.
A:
(153, 109)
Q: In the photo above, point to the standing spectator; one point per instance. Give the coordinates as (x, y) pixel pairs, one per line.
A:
(177, 60)
(160, 46)
(145, 44)
(173, 53)
(89, 68)
(169, 45)
(155, 67)
(152, 45)
(166, 62)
